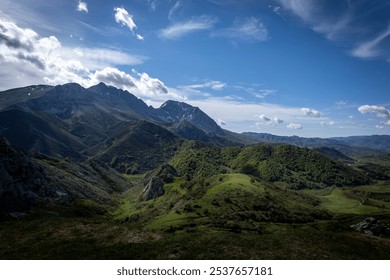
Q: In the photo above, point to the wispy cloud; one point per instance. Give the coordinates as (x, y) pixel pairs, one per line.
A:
(250, 28)
(152, 4)
(348, 24)
(370, 49)
(82, 7)
(214, 85)
(174, 9)
(178, 30)
(124, 18)
(315, 14)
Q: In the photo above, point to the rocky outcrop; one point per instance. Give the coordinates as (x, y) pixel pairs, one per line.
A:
(155, 181)
(372, 226)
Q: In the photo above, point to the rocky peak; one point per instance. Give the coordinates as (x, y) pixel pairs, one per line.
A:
(175, 111)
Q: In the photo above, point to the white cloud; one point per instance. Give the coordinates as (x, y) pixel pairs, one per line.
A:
(248, 29)
(294, 126)
(82, 7)
(174, 9)
(139, 37)
(312, 13)
(311, 112)
(214, 85)
(33, 59)
(379, 111)
(379, 126)
(267, 120)
(371, 48)
(124, 18)
(178, 30)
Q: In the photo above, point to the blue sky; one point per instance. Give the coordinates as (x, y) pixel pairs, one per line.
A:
(286, 67)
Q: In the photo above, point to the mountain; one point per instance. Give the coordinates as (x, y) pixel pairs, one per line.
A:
(176, 112)
(377, 142)
(101, 122)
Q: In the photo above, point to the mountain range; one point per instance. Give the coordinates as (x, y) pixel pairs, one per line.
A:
(114, 129)
(98, 152)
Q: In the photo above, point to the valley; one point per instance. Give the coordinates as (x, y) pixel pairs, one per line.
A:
(97, 174)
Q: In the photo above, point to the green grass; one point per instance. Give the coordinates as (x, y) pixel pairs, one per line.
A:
(340, 201)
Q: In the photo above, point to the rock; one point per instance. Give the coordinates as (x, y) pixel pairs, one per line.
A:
(154, 182)
(372, 226)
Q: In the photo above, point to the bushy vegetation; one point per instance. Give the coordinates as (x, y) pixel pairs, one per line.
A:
(298, 167)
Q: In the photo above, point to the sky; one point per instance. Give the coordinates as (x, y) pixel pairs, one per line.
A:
(312, 68)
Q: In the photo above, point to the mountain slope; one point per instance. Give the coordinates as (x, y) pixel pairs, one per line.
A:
(293, 166)
(140, 148)
(42, 181)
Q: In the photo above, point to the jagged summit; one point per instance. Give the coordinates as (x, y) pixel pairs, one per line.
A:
(175, 111)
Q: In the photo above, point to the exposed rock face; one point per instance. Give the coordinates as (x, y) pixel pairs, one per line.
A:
(154, 183)
(372, 226)
(20, 179)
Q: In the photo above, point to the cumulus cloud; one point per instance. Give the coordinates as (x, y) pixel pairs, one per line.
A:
(294, 126)
(379, 111)
(82, 7)
(268, 120)
(113, 76)
(311, 112)
(28, 57)
(248, 29)
(178, 30)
